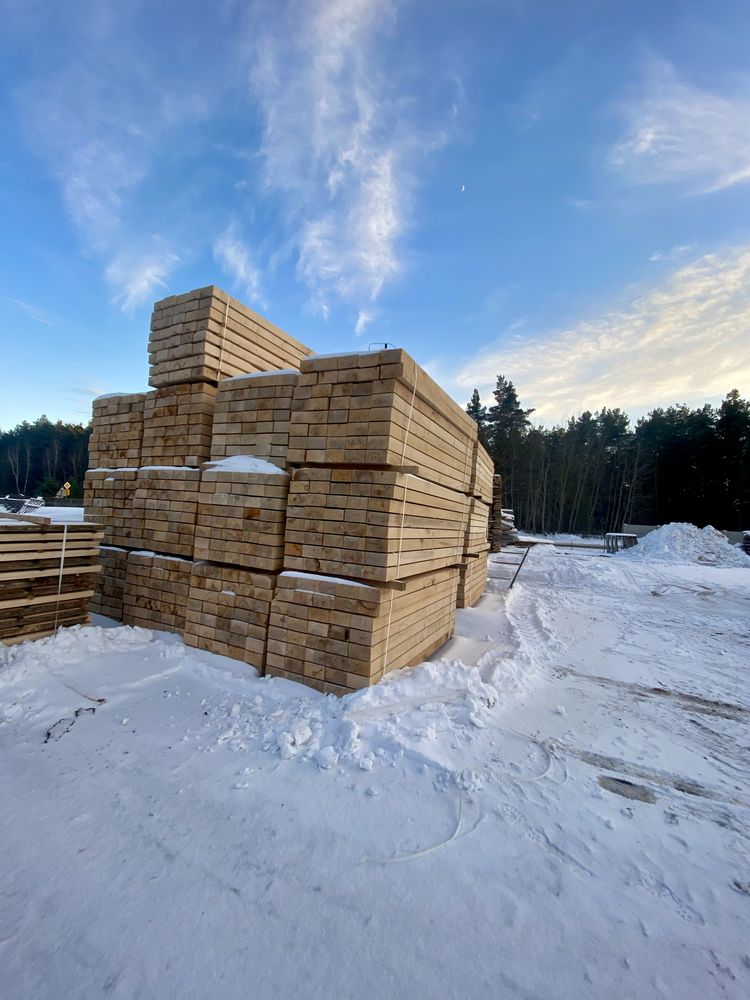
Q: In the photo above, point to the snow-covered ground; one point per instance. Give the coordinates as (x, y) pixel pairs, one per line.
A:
(556, 809)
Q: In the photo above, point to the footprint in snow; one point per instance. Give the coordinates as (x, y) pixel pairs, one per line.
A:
(660, 890)
(60, 728)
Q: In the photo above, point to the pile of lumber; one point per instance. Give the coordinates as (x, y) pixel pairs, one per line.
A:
(477, 522)
(165, 505)
(379, 408)
(177, 425)
(107, 599)
(206, 335)
(47, 575)
(388, 508)
(508, 530)
(228, 610)
(116, 431)
(108, 500)
(372, 524)
(156, 591)
(241, 513)
(483, 474)
(472, 579)
(326, 513)
(496, 512)
(253, 415)
(338, 636)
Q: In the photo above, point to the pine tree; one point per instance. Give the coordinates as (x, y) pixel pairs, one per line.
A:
(507, 424)
(479, 413)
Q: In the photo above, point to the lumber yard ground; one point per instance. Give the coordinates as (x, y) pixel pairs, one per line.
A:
(557, 809)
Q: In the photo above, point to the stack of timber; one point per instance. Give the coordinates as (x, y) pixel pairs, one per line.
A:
(338, 636)
(472, 579)
(496, 511)
(241, 513)
(228, 610)
(177, 425)
(116, 431)
(165, 505)
(156, 591)
(380, 509)
(379, 408)
(110, 585)
(48, 574)
(473, 573)
(108, 496)
(253, 415)
(508, 530)
(373, 525)
(475, 536)
(483, 474)
(206, 335)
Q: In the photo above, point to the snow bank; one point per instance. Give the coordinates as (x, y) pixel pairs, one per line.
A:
(684, 543)
(411, 713)
(70, 645)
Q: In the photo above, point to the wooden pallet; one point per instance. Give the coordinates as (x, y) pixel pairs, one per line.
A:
(472, 580)
(110, 585)
(165, 505)
(206, 335)
(47, 575)
(380, 408)
(372, 525)
(116, 431)
(252, 416)
(177, 425)
(228, 610)
(108, 497)
(338, 636)
(241, 515)
(156, 591)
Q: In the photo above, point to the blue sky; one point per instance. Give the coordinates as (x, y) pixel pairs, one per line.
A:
(555, 191)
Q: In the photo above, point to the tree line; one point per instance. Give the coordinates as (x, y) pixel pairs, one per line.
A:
(37, 458)
(597, 471)
(586, 477)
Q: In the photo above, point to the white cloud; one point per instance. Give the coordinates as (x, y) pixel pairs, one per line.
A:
(98, 118)
(684, 341)
(136, 279)
(364, 318)
(677, 132)
(339, 148)
(234, 257)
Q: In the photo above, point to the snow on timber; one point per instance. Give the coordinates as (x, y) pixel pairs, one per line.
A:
(684, 543)
(556, 807)
(244, 463)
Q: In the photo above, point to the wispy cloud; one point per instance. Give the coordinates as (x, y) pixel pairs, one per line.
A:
(89, 132)
(99, 118)
(233, 255)
(364, 318)
(673, 253)
(339, 148)
(136, 279)
(677, 132)
(32, 311)
(683, 341)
